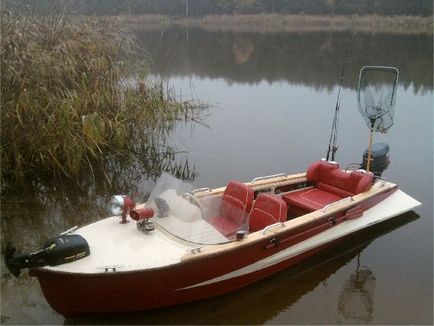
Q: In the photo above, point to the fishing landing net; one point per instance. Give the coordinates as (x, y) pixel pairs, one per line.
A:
(377, 96)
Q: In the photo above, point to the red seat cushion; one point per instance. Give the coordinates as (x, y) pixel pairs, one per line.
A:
(267, 209)
(236, 203)
(309, 200)
(318, 170)
(345, 184)
(237, 198)
(331, 184)
(328, 177)
(224, 225)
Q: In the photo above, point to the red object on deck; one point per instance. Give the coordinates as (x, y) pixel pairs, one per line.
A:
(236, 203)
(138, 214)
(267, 209)
(330, 184)
(128, 205)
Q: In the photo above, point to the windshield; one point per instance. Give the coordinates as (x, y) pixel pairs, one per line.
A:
(198, 219)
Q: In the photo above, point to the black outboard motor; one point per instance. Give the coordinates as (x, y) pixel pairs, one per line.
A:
(60, 250)
(379, 158)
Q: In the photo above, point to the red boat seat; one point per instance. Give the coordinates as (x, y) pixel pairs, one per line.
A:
(236, 203)
(267, 209)
(330, 185)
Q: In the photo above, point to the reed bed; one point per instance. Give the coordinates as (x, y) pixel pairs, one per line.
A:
(68, 101)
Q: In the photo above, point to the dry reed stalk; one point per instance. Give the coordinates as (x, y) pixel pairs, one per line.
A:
(65, 103)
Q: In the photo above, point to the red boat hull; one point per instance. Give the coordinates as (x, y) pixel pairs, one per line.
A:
(73, 294)
(194, 279)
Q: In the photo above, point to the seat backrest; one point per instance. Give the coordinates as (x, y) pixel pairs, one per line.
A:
(330, 178)
(267, 209)
(237, 200)
(318, 170)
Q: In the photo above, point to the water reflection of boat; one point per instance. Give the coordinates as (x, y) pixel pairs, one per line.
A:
(356, 300)
(187, 244)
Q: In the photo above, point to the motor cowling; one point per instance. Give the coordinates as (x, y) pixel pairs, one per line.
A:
(56, 251)
(379, 158)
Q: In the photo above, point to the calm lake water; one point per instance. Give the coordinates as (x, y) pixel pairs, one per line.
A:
(271, 98)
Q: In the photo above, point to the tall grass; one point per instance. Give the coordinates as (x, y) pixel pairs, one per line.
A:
(66, 101)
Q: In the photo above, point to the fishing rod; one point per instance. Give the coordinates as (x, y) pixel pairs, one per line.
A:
(332, 148)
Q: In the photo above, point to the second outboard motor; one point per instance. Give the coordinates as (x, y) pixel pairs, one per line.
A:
(379, 158)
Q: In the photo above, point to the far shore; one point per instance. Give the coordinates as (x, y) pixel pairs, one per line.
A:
(287, 23)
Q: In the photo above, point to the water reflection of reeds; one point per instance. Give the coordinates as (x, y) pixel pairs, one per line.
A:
(42, 208)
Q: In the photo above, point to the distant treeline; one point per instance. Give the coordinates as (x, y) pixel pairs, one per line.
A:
(218, 7)
(313, 59)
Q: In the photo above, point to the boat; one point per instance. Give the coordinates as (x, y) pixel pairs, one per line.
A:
(185, 244)
(285, 288)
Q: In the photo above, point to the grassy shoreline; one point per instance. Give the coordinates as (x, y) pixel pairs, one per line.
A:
(287, 23)
(69, 103)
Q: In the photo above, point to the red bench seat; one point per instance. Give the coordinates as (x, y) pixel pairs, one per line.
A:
(310, 200)
(330, 184)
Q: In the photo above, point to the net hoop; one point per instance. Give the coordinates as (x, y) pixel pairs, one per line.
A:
(377, 96)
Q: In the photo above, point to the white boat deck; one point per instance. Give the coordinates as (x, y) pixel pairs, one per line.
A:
(124, 247)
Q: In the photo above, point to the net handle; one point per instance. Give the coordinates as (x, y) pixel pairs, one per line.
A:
(368, 163)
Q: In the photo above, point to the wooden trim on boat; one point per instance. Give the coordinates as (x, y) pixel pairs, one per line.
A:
(378, 188)
(258, 185)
